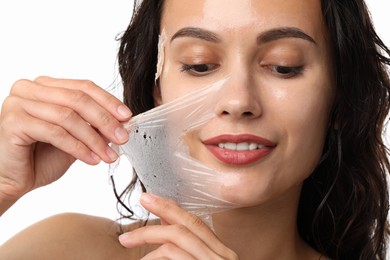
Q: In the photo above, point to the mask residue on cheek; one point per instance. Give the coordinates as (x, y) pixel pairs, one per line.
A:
(161, 54)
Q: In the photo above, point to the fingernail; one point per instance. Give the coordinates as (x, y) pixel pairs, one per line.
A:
(111, 153)
(147, 197)
(95, 157)
(124, 111)
(124, 237)
(121, 134)
(125, 240)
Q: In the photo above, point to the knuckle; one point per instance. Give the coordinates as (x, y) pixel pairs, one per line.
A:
(87, 84)
(195, 221)
(165, 205)
(78, 147)
(58, 135)
(41, 79)
(19, 85)
(66, 114)
(180, 229)
(9, 103)
(8, 122)
(105, 118)
(78, 96)
(73, 147)
(57, 132)
(167, 248)
(9, 118)
(11, 114)
(232, 255)
(97, 140)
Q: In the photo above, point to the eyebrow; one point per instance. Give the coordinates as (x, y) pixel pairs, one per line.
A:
(198, 33)
(284, 32)
(265, 37)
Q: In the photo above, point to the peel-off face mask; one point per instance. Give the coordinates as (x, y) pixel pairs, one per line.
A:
(161, 54)
(161, 158)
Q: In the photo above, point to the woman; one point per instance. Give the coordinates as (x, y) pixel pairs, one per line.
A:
(306, 79)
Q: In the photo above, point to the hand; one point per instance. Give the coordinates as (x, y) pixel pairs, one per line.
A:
(46, 124)
(181, 235)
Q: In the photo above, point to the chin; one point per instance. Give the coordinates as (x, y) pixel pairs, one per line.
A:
(237, 189)
(247, 189)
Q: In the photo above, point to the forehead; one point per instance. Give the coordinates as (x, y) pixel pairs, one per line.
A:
(244, 15)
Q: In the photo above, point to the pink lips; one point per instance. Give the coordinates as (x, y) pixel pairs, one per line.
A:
(236, 157)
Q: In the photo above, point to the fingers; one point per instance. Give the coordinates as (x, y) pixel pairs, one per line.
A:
(183, 230)
(176, 235)
(76, 111)
(48, 123)
(95, 112)
(72, 127)
(171, 213)
(60, 138)
(43, 131)
(168, 251)
(111, 103)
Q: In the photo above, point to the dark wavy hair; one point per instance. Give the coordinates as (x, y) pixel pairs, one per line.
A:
(344, 203)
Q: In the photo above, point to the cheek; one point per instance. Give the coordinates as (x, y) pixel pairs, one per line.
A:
(173, 82)
(172, 87)
(168, 85)
(303, 120)
(306, 115)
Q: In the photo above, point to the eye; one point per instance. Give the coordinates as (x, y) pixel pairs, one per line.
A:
(198, 69)
(286, 72)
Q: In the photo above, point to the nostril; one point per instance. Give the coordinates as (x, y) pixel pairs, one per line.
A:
(245, 114)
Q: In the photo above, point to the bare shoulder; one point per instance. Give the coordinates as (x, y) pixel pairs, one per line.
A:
(70, 236)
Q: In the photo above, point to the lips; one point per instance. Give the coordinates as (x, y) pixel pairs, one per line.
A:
(241, 149)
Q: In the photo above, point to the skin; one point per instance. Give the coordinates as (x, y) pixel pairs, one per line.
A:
(290, 111)
(46, 124)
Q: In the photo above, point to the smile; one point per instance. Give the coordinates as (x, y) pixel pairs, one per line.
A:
(241, 149)
(241, 146)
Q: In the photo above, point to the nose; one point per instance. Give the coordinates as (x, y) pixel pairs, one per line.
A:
(240, 98)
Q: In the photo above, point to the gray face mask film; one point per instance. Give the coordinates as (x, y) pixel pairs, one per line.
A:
(160, 157)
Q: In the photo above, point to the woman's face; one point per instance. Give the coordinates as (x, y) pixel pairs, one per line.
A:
(271, 123)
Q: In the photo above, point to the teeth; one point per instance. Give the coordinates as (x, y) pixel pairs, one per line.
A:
(230, 146)
(240, 146)
(253, 146)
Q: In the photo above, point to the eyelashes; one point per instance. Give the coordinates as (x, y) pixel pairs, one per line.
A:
(198, 69)
(284, 72)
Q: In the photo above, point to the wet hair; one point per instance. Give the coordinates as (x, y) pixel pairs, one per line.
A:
(344, 203)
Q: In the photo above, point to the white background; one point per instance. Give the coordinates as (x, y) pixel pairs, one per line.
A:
(74, 39)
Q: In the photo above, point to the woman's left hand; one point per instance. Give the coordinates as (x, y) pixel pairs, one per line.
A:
(181, 235)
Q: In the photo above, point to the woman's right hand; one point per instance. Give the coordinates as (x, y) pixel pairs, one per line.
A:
(46, 124)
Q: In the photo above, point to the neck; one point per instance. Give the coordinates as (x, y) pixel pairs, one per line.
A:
(267, 231)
